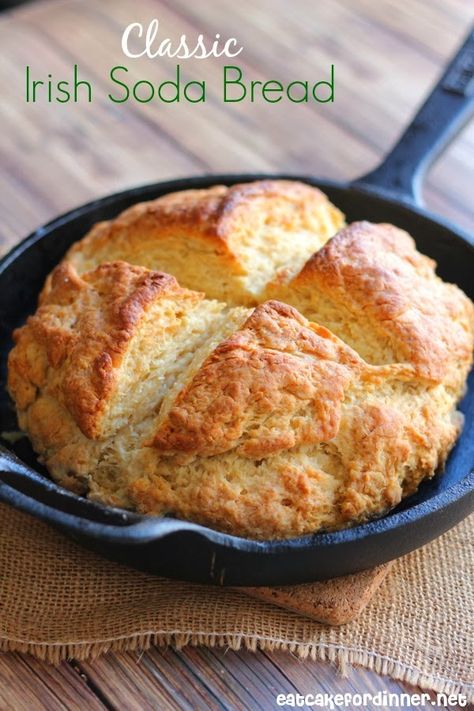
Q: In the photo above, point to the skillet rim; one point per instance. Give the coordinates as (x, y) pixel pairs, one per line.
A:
(390, 523)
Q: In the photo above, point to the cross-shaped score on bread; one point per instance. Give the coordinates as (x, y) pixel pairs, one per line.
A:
(239, 357)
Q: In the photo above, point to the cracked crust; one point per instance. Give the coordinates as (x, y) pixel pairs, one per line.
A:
(230, 240)
(275, 384)
(80, 335)
(372, 287)
(145, 394)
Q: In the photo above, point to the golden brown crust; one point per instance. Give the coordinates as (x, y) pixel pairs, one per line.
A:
(84, 326)
(198, 211)
(376, 272)
(233, 238)
(391, 434)
(214, 213)
(260, 422)
(276, 383)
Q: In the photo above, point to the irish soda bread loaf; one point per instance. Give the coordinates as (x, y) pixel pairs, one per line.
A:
(237, 357)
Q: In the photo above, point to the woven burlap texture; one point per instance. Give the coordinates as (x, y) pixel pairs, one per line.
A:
(58, 600)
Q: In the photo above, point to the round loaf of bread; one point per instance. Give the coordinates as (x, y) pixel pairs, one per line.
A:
(239, 358)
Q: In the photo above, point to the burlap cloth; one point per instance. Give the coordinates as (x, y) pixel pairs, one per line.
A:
(58, 600)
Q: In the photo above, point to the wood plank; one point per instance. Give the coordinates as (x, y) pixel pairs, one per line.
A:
(311, 677)
(120, 156)
(53, 158)
(379, 115)
(158, 679)
(191, 680)
(228, 132)
(200, 678)
(247, 675)
(26, 684)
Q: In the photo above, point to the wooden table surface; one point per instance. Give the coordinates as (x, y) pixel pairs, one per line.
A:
(53, 157)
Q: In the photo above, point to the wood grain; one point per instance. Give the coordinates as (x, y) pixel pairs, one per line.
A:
(89, 150)
(52, 158)
(26, 682)
(194, 679)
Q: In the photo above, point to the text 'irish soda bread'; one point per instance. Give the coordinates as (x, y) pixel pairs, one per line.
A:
(280, 381)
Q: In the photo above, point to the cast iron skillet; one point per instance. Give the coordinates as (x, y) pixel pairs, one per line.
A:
(178, 549)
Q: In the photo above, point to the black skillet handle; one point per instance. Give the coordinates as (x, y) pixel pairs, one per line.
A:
(446, 110)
